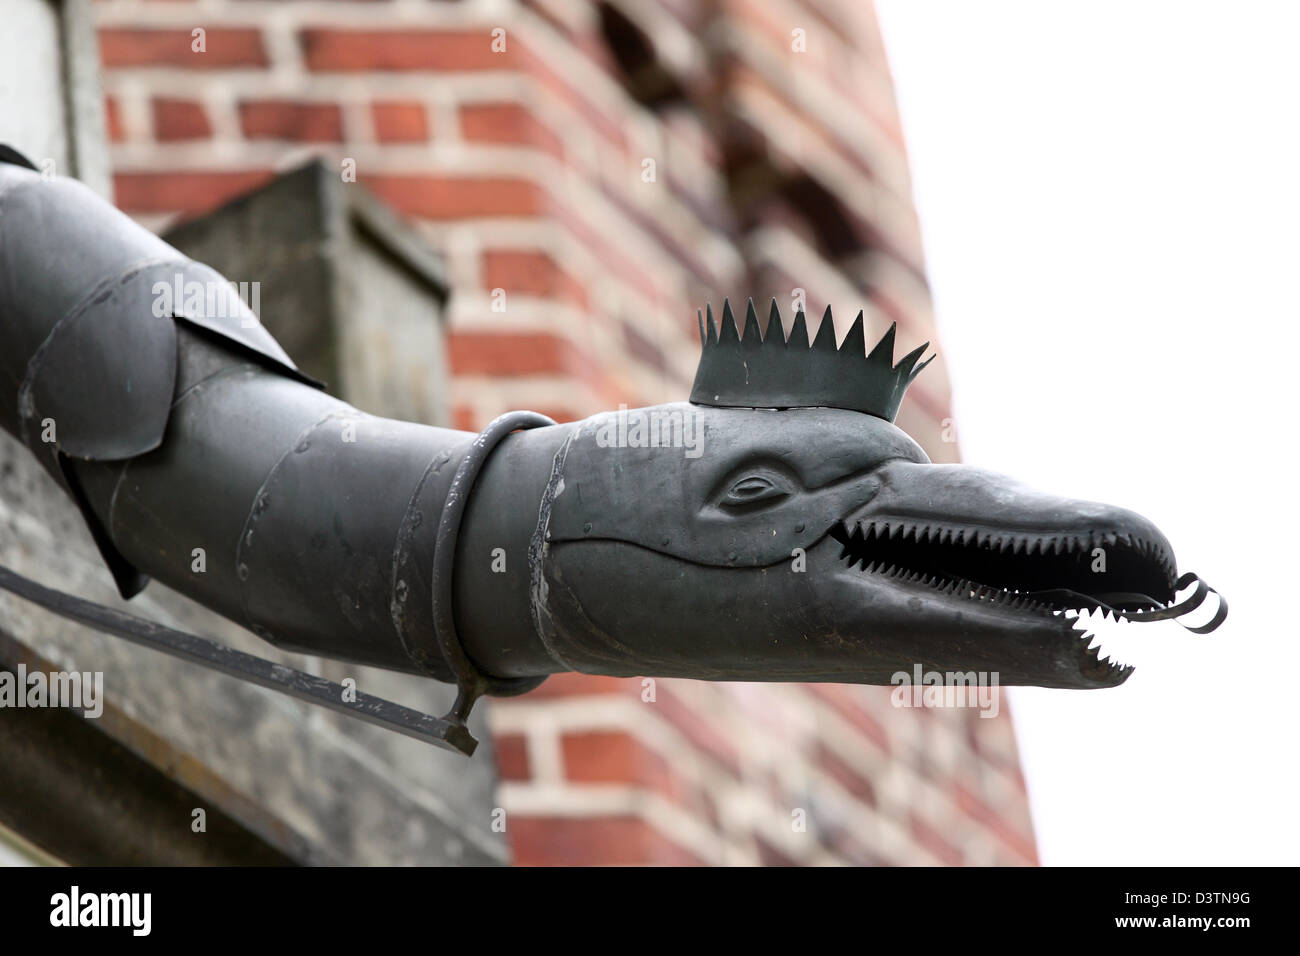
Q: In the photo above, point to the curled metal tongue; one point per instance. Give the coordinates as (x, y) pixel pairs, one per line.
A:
(1173, 612)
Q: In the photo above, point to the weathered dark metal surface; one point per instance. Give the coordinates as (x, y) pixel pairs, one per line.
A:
(787, 374)
(113, 347)
(779, 527)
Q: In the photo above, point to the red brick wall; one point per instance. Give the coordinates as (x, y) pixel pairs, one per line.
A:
(575, 285)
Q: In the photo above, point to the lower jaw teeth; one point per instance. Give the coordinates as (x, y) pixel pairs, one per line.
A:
(1110, 638)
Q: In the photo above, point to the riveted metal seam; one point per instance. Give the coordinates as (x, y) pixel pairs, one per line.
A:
(539, 546)
(247, 528)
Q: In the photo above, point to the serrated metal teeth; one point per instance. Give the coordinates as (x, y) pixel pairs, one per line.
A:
(1093, 650)
(1015, 543)
(859, 538)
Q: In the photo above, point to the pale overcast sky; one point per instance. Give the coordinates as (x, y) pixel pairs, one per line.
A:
(1110, 199)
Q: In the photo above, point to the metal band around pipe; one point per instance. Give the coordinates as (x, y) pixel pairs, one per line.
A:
(472, 682)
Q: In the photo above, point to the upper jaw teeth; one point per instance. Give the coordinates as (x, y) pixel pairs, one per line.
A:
(1045, 573)
(1011, 542)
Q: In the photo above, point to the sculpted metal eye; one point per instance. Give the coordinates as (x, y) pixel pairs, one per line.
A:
(754, 488)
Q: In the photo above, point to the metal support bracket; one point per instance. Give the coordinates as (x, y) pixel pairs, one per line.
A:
(448, 734)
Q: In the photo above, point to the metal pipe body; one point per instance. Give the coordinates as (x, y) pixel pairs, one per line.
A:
(202, 458)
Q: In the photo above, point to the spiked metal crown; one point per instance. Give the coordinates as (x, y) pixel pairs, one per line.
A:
(772, 371)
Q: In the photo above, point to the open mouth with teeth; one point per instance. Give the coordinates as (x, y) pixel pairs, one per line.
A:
(1062, 575)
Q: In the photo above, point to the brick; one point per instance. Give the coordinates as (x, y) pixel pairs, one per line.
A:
(615, 756)
(560, 415)
(932, 840)
(515, 353)
(552, 81)
(187, 192)
(841, 837)
(666, 234)
(675, 709)
(574, 685)
(512, 756)
(851, 779)
(631, 271)
(531, 272)
(769, 855)
(466, 419)
(113, 120)
(828, 40)
(783, 118)
(459, 197)
(179, 120)
(400, 122)
(225, 47)
(506, 355)
(643, 349)
(509, 123)
(341, 50)
(847, 703)
(285, 119)
(593, 841)
(977, 809)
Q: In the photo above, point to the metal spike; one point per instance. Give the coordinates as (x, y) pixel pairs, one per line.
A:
(919, 369)
(825, 332)
(883, 353)
(712, 326)
(798, 332)
(775, 331)
(904, 366)
(855, 342)
(753, 337)
(729, 334)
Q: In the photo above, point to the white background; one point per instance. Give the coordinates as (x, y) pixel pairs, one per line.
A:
(1110, 200)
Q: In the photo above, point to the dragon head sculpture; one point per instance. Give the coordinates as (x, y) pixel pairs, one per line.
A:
(781, 527)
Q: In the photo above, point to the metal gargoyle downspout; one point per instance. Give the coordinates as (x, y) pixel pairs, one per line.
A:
(655, 542)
